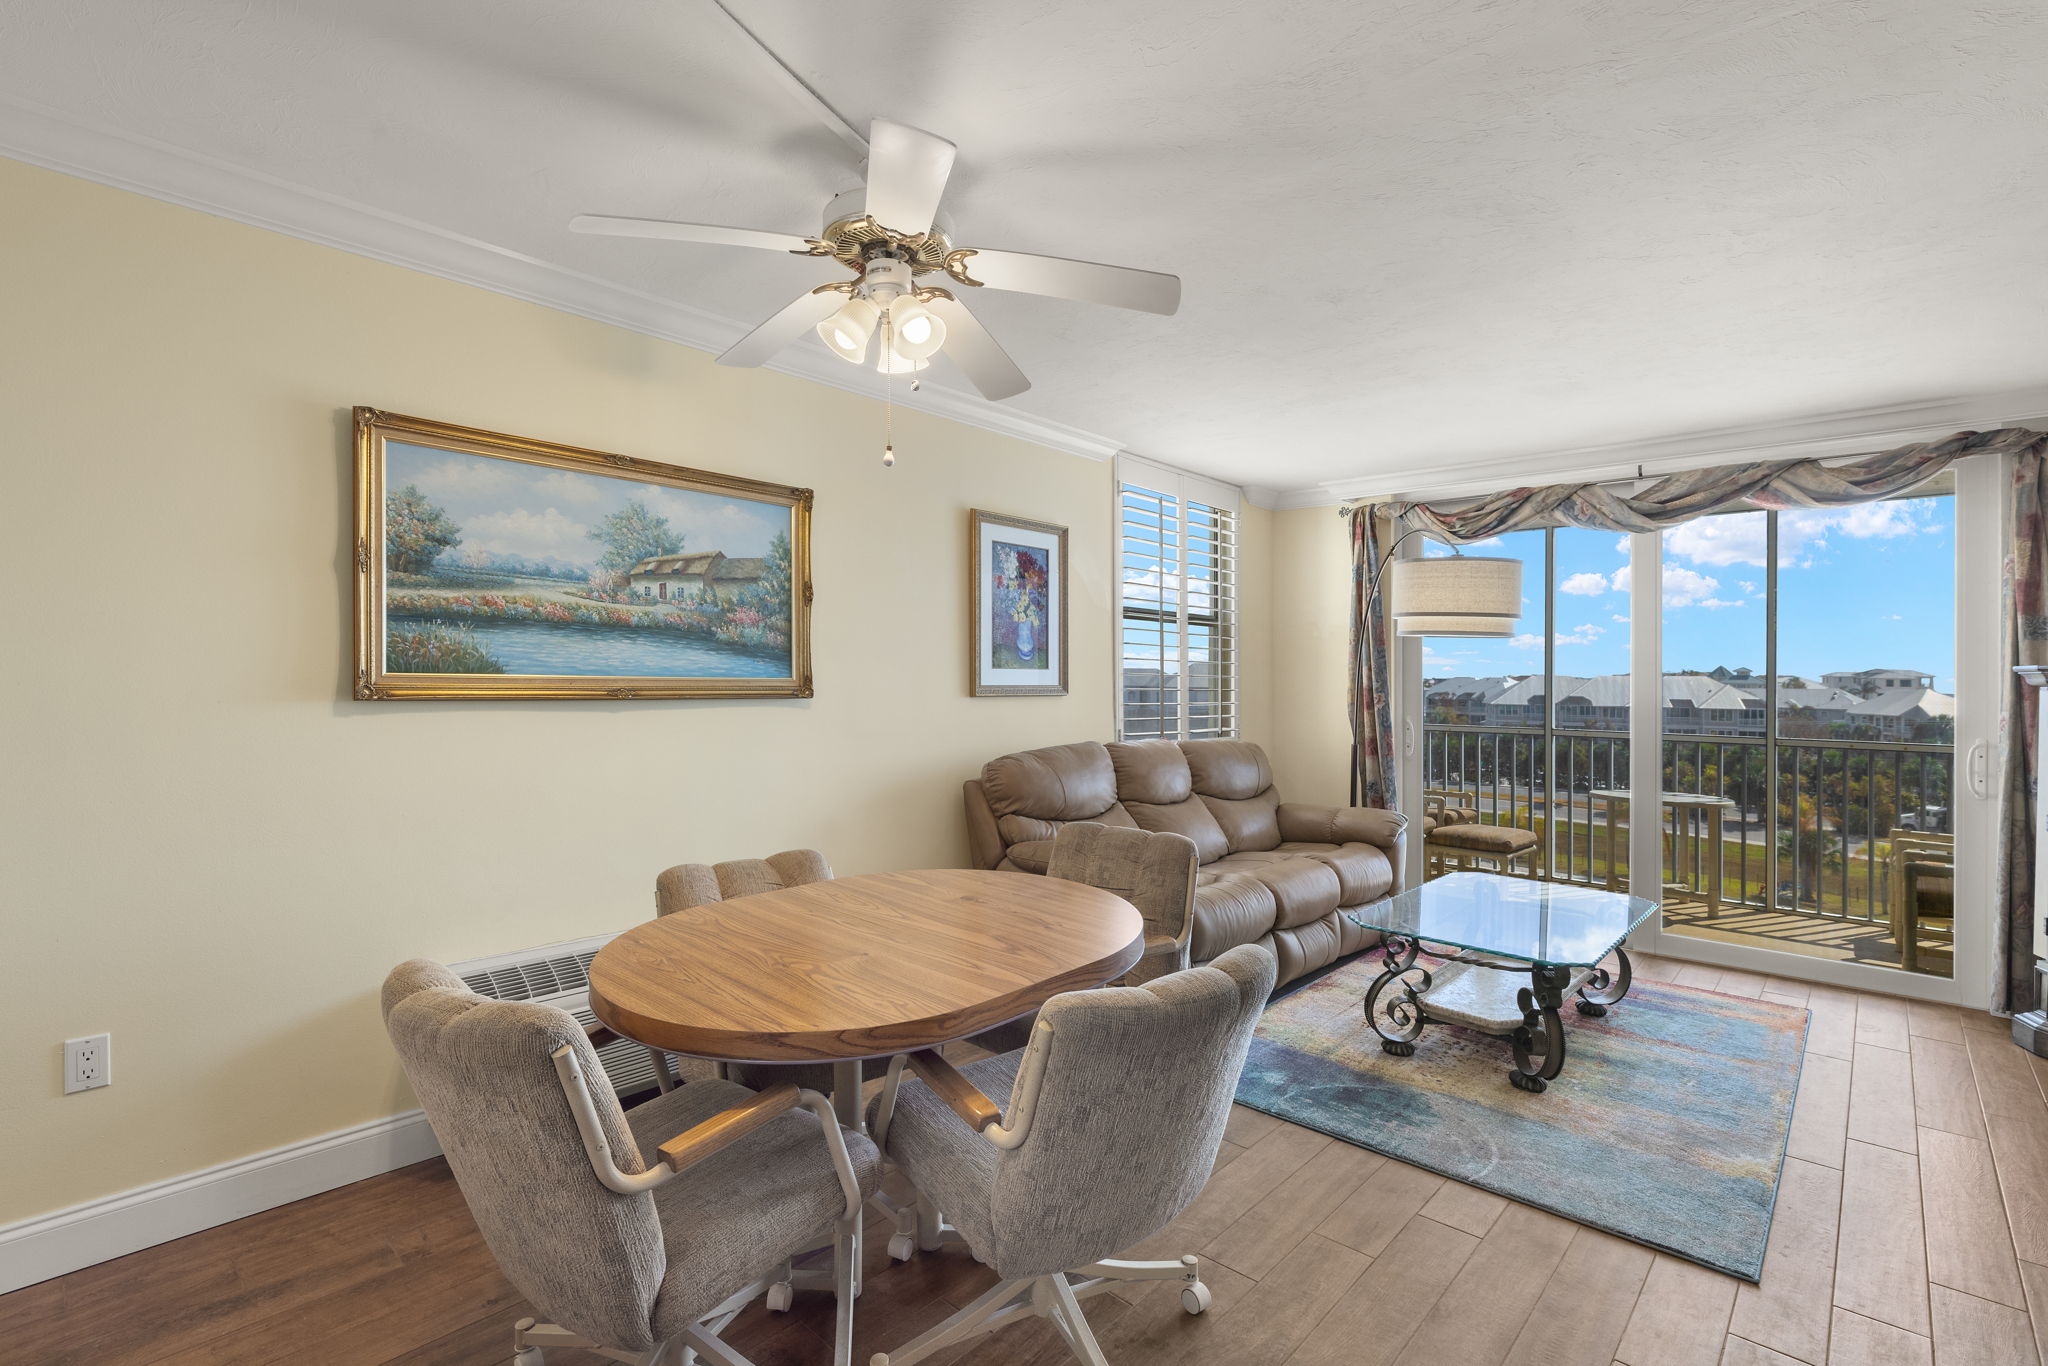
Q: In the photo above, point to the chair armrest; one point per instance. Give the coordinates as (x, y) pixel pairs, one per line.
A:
(949, 1085)
(1341, 824)
(700, 1140)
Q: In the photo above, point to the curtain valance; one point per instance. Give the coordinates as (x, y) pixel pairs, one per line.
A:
(1775, 484)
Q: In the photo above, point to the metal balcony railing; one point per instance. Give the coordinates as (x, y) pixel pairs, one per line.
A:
(1807, 831)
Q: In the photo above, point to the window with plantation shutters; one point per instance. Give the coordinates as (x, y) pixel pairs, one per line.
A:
(1177, 663)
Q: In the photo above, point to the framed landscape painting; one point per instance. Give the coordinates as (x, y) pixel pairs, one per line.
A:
(493, 566)
(1019, 607)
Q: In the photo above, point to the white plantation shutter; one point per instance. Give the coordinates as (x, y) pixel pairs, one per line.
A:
(1177, 565)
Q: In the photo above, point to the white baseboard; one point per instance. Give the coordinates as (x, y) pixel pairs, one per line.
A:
(99, 1230)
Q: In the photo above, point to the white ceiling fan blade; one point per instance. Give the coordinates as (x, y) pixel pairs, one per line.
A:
(1146, 290)
(606, 226)
(979, 357)
(907, 170)
(805, 313)
(779, 71)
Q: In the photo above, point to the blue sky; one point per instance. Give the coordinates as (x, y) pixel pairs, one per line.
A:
(1871, 586)
(536, 512)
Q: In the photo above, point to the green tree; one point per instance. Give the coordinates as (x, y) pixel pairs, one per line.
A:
(416, 531)
(634, 533)
(776, 578)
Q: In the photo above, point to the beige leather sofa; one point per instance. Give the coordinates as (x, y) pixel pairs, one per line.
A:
(1272, 872)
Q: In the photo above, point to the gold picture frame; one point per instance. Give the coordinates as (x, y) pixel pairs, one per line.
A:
(1017, 612)
(517, 614)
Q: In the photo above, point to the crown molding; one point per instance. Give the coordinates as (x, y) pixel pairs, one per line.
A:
(1853, 432)
(141, 165)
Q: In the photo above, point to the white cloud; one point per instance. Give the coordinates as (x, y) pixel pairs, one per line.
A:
(1526, 642)
(1586, 585)
(1741, 538)
(1621, 617)
(1686, 587)
(1583, 635)
(1745, 585)
(544, 535)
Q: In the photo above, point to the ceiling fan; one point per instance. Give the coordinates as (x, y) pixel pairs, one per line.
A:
(889, 233)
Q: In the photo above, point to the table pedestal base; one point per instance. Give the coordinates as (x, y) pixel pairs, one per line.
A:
(1477, 992)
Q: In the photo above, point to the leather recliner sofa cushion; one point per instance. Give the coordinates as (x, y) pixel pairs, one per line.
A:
(1060, 783)
(1231, 908)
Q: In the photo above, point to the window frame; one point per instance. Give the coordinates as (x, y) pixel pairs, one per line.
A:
(1223, 625)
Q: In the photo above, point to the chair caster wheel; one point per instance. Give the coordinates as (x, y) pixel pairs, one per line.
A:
(902, 1247)
(1195, 1298)
(1398, 1049)
(1524, 1082)
(1592, 1008)
(781, 1295)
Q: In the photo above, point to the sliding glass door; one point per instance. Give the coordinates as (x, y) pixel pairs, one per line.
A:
(1790, 689)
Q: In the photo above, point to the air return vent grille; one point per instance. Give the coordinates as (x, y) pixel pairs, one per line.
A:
(535, 980)
(559, 975)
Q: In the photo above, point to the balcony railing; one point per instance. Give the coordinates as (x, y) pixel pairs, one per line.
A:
(1818, 847)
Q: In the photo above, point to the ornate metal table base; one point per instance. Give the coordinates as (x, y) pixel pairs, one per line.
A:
(1537, 1035)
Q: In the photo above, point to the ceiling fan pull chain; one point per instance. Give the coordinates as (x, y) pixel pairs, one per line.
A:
(888, 404)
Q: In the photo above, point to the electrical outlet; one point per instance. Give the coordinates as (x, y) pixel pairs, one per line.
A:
(88, 1063)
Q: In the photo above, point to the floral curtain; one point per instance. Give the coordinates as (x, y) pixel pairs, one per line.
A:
(1372, 717)
(2026, 642)
(1759, 484)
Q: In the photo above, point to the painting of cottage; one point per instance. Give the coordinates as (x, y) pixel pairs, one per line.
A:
(509, 569)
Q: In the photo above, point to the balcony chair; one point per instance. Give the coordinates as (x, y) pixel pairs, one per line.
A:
(639, 1235)
(1052, 1161)
(1920, 882)
(1442, 806)
(1153, 870)
(1467, 844)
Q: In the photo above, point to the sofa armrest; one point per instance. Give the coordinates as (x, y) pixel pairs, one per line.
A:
(1032, 856)
(984, 841)
(1341, 825)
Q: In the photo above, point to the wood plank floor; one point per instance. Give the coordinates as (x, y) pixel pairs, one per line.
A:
(1920, 1148)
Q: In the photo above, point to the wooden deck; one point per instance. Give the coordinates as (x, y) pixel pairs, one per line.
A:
(1814, 936)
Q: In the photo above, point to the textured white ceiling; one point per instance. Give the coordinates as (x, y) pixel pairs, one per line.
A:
(1412, 234)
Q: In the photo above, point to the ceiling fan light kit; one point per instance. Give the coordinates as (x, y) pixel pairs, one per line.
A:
(888, 233)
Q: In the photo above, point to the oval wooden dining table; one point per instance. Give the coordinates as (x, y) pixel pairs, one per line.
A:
(860, 967)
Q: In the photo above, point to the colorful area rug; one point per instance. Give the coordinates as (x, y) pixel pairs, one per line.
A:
(1667, 1126)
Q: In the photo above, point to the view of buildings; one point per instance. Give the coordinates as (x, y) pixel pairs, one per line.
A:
(1867, 704)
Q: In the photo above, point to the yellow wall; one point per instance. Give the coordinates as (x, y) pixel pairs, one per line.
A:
(1310, 601)
(215, 853)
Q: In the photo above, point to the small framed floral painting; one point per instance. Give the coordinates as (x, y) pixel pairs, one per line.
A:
(489, 565)
(1019, 607)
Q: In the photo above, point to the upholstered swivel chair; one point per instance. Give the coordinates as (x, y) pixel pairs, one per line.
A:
(1153, 870)
(1091, 1140)
(701, 884)
(639, 1235)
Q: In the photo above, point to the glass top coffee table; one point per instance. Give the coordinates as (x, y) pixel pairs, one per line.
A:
(1558, 934)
